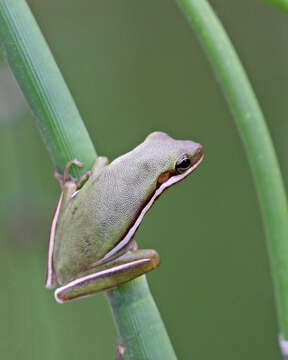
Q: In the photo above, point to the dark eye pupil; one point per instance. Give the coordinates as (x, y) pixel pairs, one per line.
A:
(183, 165)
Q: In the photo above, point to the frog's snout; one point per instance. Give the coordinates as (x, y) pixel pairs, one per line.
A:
(198, 155)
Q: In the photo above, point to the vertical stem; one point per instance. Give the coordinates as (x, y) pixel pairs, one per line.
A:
(139, 322)
(256, 139)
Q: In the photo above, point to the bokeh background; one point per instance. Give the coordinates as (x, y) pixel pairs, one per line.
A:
(135, 67)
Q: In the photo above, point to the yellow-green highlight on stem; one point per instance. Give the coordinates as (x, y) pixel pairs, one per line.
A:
(257, 142)
(281, 4)
(66, 138)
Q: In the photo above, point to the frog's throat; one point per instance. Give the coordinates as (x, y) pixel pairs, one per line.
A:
(130, 234)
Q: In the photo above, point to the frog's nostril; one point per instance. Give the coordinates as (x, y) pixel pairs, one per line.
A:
(197, 156)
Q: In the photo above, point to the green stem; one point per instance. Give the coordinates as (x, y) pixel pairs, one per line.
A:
(257, 142)
(281, 4)
(66, 138)
(43, 86)
(132, 304)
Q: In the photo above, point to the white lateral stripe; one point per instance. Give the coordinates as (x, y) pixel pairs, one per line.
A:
(51, 282)
(162, 187)
(102, 273)
(74, 194)
(60, 301)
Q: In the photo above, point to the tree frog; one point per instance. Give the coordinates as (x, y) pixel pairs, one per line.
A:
(91, 245)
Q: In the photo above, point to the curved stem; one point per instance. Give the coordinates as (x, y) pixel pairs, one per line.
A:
(66, 138)
(281, 4)
(257, 142)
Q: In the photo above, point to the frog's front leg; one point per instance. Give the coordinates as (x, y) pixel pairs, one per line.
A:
(109, 275)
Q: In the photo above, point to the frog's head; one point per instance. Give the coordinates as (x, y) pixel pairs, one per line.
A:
(171, 160)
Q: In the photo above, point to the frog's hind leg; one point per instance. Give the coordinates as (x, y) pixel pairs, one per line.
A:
(69, 189)
(109, 275)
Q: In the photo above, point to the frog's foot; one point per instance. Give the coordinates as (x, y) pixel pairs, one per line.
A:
(62, 179)
(100, 162)
(109, 275)
(66, 175)
(59, 177)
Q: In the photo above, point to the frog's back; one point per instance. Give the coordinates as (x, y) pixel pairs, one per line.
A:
(96, 220)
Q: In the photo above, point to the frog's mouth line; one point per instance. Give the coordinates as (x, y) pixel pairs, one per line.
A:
(159, 190)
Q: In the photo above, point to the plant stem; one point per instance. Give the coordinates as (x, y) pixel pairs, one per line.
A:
(132, 304)
(257, 142)
(43, 86)
(66, 138)
(281, 4)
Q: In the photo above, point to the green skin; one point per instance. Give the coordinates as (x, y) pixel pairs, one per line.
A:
(91, 243)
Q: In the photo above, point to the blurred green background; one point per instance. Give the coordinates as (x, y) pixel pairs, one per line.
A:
(134, 67)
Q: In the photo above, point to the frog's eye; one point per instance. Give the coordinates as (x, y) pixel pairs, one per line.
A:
(183, 164)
